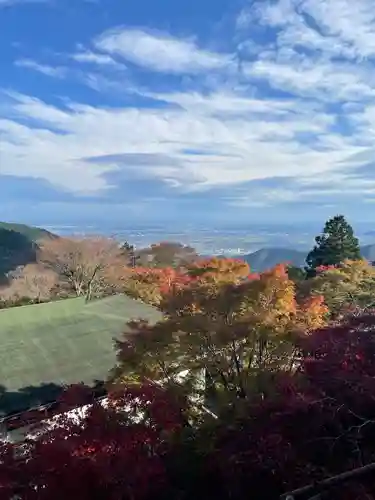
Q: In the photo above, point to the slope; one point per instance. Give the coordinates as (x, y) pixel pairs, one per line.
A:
(30, 232)
(18, 245)
(46, 346)
(266, 258)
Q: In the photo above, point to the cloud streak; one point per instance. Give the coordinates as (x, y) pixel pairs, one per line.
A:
(53, 71)
(160, 51)
(90, 57)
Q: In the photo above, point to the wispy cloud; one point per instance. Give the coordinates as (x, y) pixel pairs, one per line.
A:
(243, 148)
(160, 51)
(87, 56)
(317, 48)
(54, 71)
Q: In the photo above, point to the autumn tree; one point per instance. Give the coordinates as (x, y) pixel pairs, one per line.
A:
(149, 284)
(336, 244)
(32, 281)
(234, 332)
(219, 270)
(166, 254)
(113, 451)
(153, 285)
(317, 422)
(347, 287)
(81, 262)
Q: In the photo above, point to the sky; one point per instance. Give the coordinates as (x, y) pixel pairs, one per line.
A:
(205, 112)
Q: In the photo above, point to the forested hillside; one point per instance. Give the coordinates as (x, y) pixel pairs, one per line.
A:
(30, 232)
(18, 244)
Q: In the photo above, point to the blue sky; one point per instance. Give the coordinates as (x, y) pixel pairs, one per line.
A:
(197, 111)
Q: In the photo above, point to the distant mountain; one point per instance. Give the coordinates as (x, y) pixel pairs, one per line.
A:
(368, 252)
(265, 258)
(18, 245)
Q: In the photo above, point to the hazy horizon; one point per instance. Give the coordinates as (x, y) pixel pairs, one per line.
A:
(228, 240)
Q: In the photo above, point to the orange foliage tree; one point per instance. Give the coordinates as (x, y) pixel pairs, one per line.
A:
(237, 331)
(219, 270)
(151, 285)
(155, 285)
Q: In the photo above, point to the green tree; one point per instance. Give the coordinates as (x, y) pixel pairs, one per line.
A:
(129, 253)
(296, 274)
(336, 244)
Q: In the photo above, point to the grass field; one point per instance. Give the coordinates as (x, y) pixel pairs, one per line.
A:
(58, 343)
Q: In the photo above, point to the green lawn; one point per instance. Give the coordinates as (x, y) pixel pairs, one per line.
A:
(45, 346)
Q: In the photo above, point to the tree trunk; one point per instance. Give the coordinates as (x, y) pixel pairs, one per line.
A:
(78, 288)
(89, 292)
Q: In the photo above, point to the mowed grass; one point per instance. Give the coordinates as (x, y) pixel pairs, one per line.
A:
(62, 342)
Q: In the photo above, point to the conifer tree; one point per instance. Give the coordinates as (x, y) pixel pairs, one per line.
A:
(336, 244)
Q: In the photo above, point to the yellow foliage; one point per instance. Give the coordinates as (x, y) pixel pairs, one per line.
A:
(219, 270)
(346, 287)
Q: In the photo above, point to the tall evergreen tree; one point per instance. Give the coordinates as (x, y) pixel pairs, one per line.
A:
(334, 245)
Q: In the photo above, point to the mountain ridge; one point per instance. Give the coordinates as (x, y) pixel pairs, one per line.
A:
(32, 233)
(267, 257)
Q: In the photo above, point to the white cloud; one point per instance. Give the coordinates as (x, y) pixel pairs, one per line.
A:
(337, 27)
(160, 52)
(90, 57)
(323, 130)
(351, 23)
(54, 71)
(310, 79)
(320, 48)
(243, 147)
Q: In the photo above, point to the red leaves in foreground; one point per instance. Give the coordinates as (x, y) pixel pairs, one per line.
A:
(315, 424)
(341, 362)
(115, 451)
(321, 422)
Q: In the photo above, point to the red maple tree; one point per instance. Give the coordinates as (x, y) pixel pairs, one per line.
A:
(107, 453)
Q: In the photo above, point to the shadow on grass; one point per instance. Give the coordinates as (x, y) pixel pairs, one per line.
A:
(32, 397)
(12, 402)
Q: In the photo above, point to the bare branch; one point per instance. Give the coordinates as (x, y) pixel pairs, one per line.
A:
(81, 262)
(329, 483)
